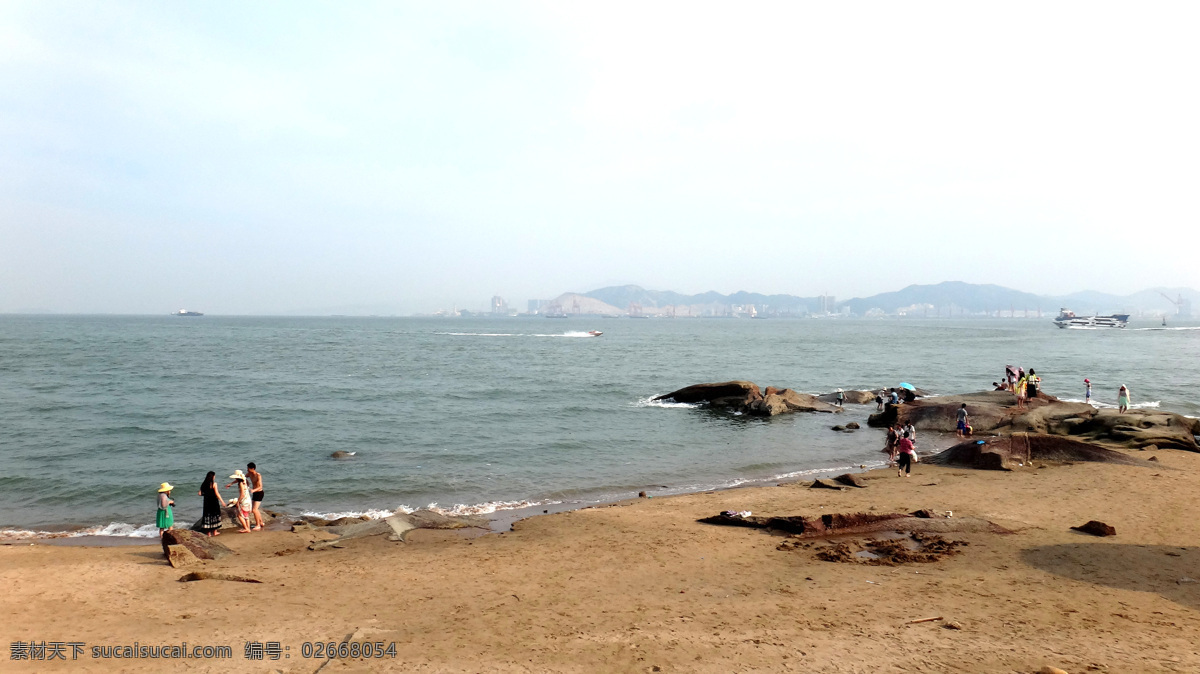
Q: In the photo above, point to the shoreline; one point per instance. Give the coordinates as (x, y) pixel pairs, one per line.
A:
(639, 584)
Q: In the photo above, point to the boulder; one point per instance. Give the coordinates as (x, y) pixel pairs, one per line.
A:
(834, 524)
(851, 397)
(179, 556)
(1096, 528)
(199, 545)
(1008, 452)
(725, 394)
(429, 519)
(850, 480)
(747, 398)
(823, 484)
(853, 426)
(340, 454)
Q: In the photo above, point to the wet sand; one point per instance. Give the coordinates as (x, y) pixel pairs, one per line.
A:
(641, 586)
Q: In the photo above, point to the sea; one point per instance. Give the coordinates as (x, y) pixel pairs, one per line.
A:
(481, 415)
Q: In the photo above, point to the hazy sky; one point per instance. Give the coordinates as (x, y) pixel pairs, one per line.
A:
(270, 157)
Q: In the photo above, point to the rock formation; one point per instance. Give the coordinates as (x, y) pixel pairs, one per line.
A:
(199, 545)
(995, 412)
(747, 398)
(1008, 452)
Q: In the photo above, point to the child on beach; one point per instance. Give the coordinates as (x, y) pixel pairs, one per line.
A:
(243, 502)
(166, 516)
(1123, 399)
(961, 430)
(1087, 392)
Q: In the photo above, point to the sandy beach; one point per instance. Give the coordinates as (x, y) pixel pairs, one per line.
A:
(641, 586)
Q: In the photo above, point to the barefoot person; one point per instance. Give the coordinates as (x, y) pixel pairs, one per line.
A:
(1123, 399)
(242, 502)
(166, 516)
(961, 431)
(256, 493)
(210, 521)
(1087, 391)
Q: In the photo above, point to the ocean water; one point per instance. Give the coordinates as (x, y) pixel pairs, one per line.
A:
(474, 415)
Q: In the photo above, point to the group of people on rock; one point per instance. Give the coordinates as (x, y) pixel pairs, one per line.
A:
(247, 503)
(893, 396)
(1026, 386)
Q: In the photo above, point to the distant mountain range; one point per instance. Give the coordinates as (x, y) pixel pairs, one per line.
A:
(951, 298)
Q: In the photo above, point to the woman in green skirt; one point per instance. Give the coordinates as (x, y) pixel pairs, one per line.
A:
(166, 516)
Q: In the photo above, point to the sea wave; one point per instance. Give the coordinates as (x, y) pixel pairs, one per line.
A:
(649, 401)
(458, 509)
(1150, 404)
(119, 529)
(569, 333)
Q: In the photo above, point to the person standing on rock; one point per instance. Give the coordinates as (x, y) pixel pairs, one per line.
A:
(1123, 399)
(1087, 391)
(905, 446)
(256, 493)
(879, 401)
(895, 397)
(242, 502)
(166, 516)
(210, 521)
(841, 397)
(961, 431)
(1020, 392)
(1032, 384)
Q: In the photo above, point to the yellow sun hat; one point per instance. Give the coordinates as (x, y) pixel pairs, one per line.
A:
(166, 486)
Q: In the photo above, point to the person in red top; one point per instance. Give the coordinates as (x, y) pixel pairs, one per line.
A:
(904, 467)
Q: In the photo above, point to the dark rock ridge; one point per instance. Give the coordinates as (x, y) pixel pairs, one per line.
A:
(747, 398)
(865, 397)
(821, 526)
(1008, 452)
(995, 412)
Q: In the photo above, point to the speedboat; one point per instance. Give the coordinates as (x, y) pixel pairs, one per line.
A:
(1067, 319)
(595, 333)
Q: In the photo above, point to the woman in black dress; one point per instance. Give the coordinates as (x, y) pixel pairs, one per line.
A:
(210, 522)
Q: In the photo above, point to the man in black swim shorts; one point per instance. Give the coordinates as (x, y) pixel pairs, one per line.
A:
(256, 493)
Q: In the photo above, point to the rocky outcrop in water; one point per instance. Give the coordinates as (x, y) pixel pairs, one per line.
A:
(747, 398)
(995, 412)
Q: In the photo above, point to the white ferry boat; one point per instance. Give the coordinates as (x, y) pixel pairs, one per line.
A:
(185, 312)
(1068, 319)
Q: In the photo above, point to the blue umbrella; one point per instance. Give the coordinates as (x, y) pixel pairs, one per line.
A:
(908, 386)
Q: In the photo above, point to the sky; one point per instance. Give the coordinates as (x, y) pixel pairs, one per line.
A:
(282, 157)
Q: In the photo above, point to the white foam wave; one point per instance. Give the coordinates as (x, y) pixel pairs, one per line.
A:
(569, 333)
(1168, 329)
(456, 510)
(1110, 406)
(121, 529)
(649, 401)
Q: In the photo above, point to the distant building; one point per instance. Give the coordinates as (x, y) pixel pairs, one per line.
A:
(826, 304)
(499, 306)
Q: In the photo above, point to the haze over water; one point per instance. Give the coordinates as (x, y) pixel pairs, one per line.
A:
(482, 413)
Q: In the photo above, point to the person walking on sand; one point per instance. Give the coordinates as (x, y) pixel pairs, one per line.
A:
(210, 521)
(166, 515)
(841, 397)
(910, 432)
(905, 447)
(1087, 391)
(962, 422)
(1123, 399)
(256, 493)
(242, 502)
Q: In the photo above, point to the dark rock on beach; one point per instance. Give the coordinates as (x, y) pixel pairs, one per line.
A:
(747, 398)
(1009, 452)
(1096, 528)
(823, 484)
(850, 480)
(995, 412)
(199, 545)
(835, 524)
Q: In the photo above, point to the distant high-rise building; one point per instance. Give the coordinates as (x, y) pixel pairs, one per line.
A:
(538, 306)
(499, 306)
(827, 304)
